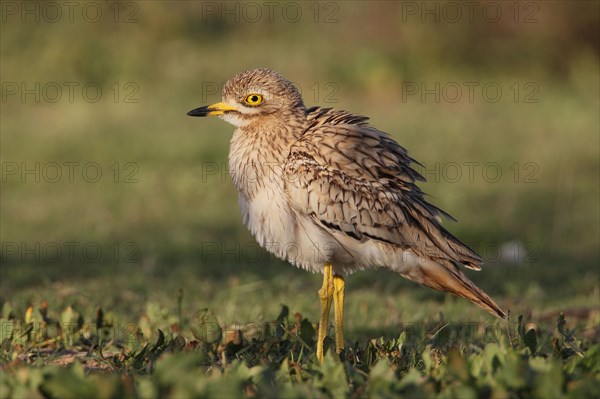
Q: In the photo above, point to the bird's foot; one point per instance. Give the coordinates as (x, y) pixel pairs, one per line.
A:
(338, 308)
(326, 297)
(331, 291)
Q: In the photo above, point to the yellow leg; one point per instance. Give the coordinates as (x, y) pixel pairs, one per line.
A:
(326, 296)
(338, 308)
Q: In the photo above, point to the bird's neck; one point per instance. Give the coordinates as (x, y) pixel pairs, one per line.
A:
(269, 139)
(258, 152)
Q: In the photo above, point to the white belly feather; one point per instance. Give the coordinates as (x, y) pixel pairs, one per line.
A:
(303, 243)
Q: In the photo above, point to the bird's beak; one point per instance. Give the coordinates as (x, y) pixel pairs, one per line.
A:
(210, 110)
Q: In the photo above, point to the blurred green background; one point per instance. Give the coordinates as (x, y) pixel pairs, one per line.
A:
(164, 213)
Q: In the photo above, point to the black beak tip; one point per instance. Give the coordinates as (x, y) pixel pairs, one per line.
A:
(202, 111)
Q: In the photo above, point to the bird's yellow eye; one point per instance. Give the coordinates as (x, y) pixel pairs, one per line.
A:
(253, 100)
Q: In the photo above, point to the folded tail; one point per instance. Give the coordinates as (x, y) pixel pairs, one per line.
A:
(450, 278)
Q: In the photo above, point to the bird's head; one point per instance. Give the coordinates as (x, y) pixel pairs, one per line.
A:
(253, 95)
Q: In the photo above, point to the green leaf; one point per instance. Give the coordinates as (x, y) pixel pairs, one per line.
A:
(530, 337)
(307, 331)
(333, 378)
(6, 311)
(413, 377)
(457, 365)
(205, 327)
(73, 383)
(493, 358)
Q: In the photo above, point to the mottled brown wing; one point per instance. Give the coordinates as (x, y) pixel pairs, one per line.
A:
(356, 179)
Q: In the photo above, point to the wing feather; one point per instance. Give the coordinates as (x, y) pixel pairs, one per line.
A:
(353, 178)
